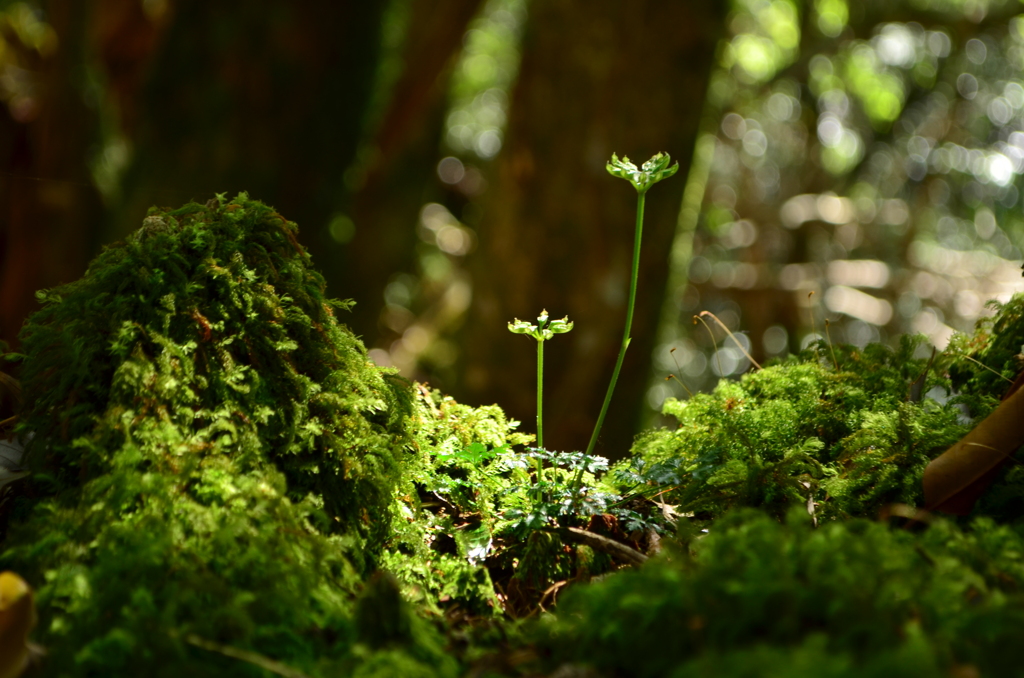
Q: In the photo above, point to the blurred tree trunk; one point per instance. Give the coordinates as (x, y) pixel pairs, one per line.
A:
(267, 98)
(209, 97)
(597, 76)
(49, 208)
(399, 171)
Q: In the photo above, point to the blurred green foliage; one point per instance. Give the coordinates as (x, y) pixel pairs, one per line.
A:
(867, 152)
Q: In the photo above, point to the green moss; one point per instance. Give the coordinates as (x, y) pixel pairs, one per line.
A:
(213, 453)
(197, 321)
(850, 441)
(983, 364)
(758, 597)
(393, 641)
(451, 504)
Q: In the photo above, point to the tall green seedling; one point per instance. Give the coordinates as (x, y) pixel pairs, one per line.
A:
(653, 171)
(542, 331)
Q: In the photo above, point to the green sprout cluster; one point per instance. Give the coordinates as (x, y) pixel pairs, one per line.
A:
(659, 167)
(544, 329)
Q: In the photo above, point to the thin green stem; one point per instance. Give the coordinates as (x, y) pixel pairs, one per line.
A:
(540, 408)
(540, 394)
(542, 331)
(625, 333)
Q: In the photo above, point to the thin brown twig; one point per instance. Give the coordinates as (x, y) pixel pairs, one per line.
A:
(987, 368)
(667, 489)
(814, 329)
(917, 386)
(615, 549)
(714, 344)
(247, 656)
(672, 352)
(551, 591)
(733, 337)
(830, 347)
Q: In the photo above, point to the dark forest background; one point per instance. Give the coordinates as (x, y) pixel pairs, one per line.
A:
(849, 169)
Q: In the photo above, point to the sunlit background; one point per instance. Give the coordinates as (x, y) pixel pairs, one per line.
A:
(852, 175)
(863, 174)
(424, 306)
(855, 174)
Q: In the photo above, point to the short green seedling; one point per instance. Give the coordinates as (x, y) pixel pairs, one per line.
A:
(653, 171)
(542, 331)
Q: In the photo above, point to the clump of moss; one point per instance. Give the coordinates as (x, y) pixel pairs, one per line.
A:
(757, 597)
(843, 442)
(983, 364)
(839, 435)
(442, 532)
(211, 320)
(214, 456)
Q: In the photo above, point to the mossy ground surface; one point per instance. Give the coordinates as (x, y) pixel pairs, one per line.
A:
(222, 480)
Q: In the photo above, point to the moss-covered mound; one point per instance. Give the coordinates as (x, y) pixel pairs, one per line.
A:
(778, 571)
(842, 430)
(212, 321)
(215, 459)
(758, 598)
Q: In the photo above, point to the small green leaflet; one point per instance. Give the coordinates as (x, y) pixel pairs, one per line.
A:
(475, 453)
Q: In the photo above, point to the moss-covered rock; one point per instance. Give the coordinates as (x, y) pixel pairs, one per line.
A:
(214, 456)
(211, 320)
